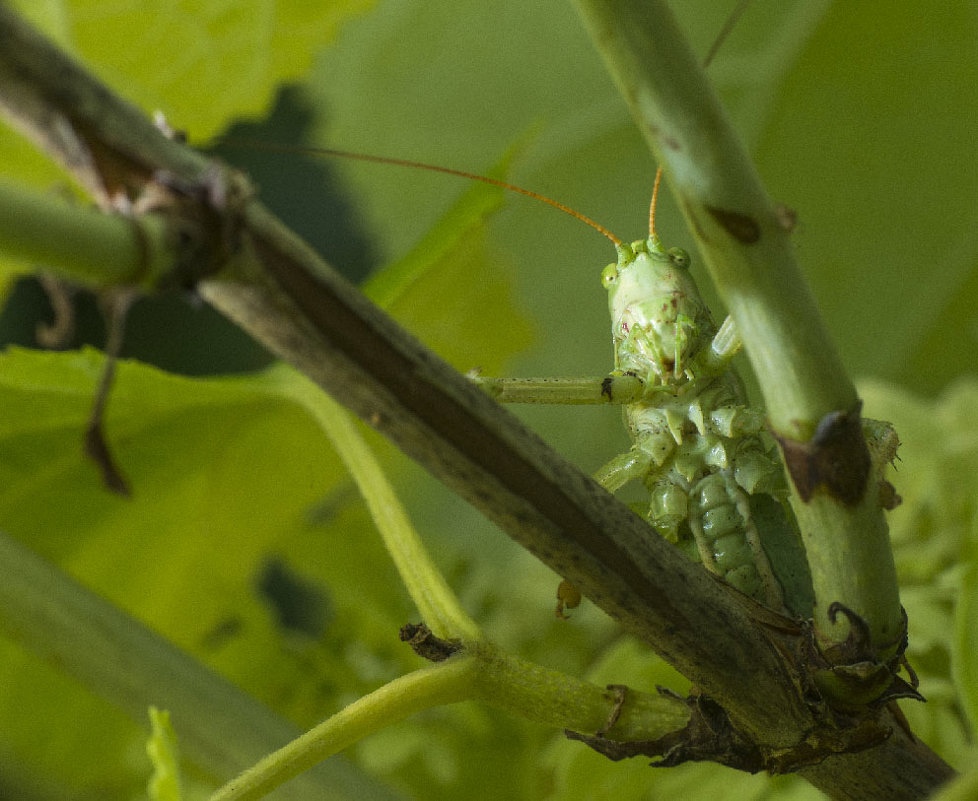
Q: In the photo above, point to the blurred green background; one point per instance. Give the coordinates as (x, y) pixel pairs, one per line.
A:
(861, 122)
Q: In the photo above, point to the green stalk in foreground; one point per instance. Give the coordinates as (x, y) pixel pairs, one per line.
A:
(811, 403)
(86, 244)
(437, 604)
(479, 672)
(88, 638)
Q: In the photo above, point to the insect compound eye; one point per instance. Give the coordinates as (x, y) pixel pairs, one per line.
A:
(679, 257)
(609, 275)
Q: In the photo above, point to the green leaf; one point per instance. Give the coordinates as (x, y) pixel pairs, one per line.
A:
(450, 276)
(200, 62)
(872, 168)
(224, 473)
(164, 785)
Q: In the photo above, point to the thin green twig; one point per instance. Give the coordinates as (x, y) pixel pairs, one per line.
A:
(438, 605)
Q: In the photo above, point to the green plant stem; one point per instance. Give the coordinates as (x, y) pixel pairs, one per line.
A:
(480, 672)
(221, 728)
(437, 604)
(444, 683)
(547, 696)
(751, 260)
(710, 173)
(84, 244)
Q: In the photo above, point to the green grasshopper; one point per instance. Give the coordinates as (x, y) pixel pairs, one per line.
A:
(696, 444)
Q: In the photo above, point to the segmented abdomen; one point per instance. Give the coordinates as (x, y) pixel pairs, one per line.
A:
(727, 539)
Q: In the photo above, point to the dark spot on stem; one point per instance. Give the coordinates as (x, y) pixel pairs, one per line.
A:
(835, 458)
(426, 645)
(741, 227)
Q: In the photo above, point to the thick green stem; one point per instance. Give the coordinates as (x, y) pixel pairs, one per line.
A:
(548, 696)
(81, 243)
(751, 260)
(480, 673)
(119, 659)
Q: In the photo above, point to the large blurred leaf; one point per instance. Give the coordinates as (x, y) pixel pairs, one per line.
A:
(200, 62)
(867, 140)
(861, 122)
(223, 475)
(935, 534)
(216, 551)
(447, 291)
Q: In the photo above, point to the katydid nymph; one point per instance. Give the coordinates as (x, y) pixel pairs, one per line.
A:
(696, 443)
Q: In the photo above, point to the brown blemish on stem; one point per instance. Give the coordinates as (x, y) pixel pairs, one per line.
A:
(742, 227)
(835, 458)
(426, 645)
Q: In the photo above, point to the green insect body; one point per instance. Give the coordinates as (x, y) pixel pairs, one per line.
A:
(696, 445)
(695, 442)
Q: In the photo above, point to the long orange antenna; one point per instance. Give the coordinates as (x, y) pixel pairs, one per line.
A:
(655, 200)
(420, 165)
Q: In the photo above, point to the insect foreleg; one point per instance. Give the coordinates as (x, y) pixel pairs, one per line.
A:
(725, 345)
(617, 388)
